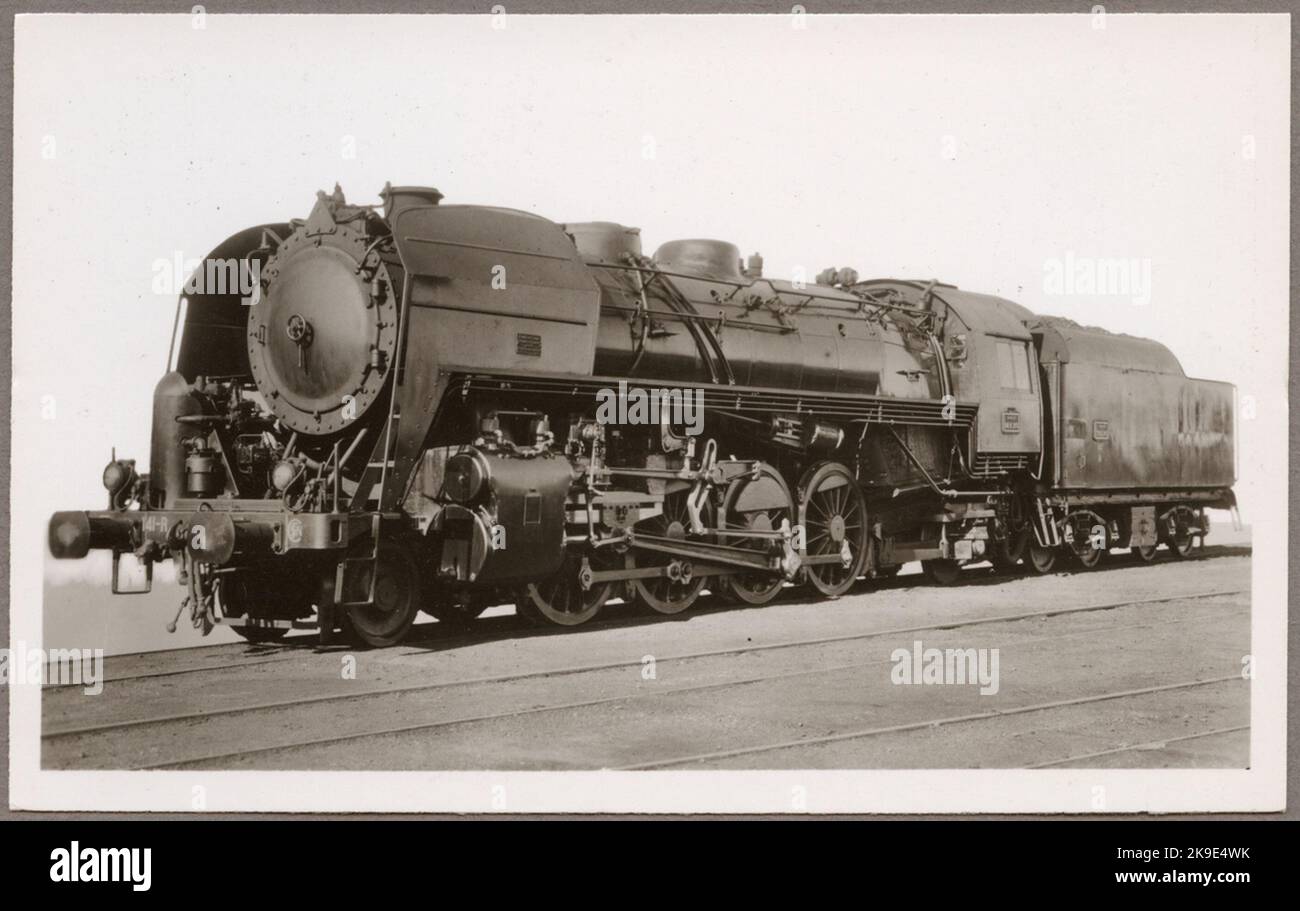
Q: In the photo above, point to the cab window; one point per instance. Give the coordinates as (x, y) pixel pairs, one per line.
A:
(1013, 365)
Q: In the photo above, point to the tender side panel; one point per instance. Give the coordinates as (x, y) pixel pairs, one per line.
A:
(1120, 428)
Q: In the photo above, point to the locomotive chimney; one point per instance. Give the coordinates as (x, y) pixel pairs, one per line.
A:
(397, 199)
(754, 268)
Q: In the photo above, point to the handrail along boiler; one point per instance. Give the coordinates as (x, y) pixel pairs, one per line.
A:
(407, 415)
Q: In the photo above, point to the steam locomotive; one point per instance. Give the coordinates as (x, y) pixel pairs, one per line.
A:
(419, 406)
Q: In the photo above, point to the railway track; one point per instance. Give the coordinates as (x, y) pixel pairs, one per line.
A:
(1137, 747)
(679, 691)
(583, 668)
(931, 724)
(193, 717)
(307, 645)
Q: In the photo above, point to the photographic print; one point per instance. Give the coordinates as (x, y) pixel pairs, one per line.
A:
(771, 413)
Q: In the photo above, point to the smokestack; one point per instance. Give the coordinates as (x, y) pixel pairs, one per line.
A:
(398, 198)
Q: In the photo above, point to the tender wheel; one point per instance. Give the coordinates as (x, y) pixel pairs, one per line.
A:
(1182, 545)
(1084, 530)
(1089, 558)
(942, 572)
(397, 596)
(1181, 540)
(662, 594)
(561, 600)
(835, 522)
(756, 503)
(1145, 554)
(240, 595)
(1042, 560)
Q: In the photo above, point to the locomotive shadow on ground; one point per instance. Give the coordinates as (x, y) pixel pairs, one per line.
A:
(432, 637)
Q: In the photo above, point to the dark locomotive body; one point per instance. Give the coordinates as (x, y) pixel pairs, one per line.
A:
(439, 407)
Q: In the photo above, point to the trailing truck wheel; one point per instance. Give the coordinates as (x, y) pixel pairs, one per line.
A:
(1145, 554)
(664, 594)
(561, 600)
(397, 597)
(1042, 560)
(835, 524)
(758, 502)
(1006, 554)
(941, 572)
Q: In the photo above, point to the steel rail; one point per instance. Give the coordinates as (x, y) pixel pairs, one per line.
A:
(277, 653)
(580, 669)
(925, 725)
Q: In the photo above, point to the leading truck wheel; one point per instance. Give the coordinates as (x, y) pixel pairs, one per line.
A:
(941, 572)
(397, 596)
(1146, 554)
(261, 635)
(240, 594)
(456, 609)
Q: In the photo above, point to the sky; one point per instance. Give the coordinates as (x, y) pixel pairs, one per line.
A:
(982, 151)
